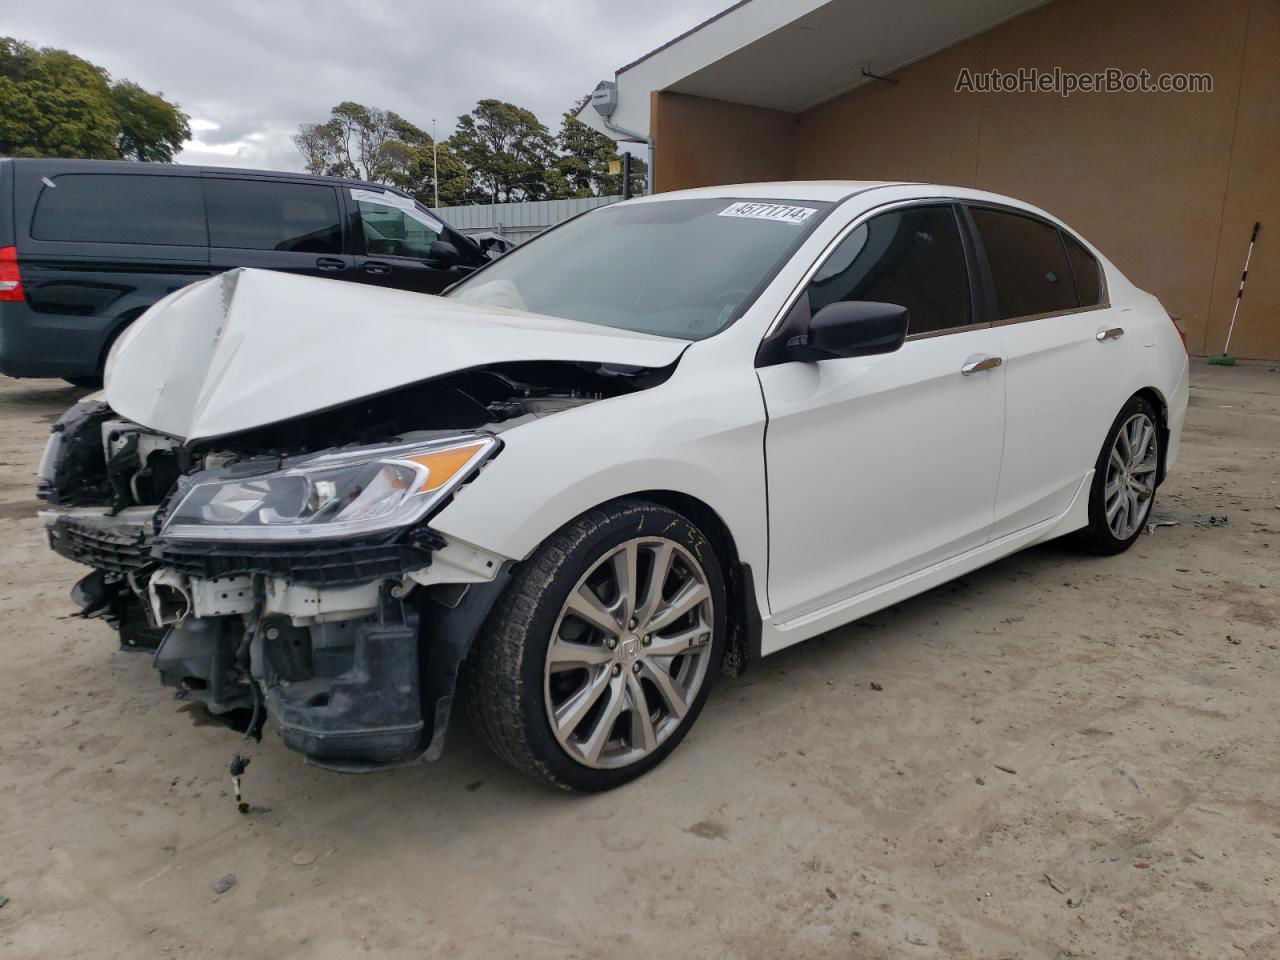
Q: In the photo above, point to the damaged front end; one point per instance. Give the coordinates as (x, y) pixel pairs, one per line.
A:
(289, 572)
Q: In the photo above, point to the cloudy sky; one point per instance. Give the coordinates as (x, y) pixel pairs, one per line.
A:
(249, 71)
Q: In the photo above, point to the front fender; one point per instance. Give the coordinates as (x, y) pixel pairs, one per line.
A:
(698, 435)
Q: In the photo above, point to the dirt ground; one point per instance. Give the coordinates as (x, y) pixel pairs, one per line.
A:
(1070, 757)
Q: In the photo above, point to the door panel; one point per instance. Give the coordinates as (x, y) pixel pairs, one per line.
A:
(1062, 385)
(879, 466)
(1065, 361)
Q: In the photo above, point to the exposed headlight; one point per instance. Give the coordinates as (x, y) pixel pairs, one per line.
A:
(331, 495)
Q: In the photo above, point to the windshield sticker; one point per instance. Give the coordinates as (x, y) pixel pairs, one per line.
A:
(768, 211)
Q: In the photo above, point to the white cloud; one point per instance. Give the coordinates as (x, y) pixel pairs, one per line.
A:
(249, 72)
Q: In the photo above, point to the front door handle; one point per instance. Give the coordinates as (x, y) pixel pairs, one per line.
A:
(978, 364)
(329, 263)
(377, 267)
(1110, 333)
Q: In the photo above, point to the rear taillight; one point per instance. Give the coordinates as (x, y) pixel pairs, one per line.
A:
(10, 276)
(1177, 325)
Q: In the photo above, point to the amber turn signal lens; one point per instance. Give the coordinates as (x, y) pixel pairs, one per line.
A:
(443, 465)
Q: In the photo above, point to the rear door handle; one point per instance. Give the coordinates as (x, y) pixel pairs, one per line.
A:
(1110, 333)
(377, 267)
(329, 263)
(980, 363)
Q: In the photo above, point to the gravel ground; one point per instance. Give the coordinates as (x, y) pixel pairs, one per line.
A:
(1068, 757)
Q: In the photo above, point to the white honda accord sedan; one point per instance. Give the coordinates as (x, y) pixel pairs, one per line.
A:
(662, 440)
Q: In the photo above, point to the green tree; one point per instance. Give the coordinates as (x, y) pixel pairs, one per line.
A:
(381, 146)
(586, 156)
(151, 128)
(510, 153)
(55, 104)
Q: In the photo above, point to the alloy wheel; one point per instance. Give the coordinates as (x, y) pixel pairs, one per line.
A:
(629, 652)
(1131, 476)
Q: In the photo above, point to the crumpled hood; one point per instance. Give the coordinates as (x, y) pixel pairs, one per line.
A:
(252, 347)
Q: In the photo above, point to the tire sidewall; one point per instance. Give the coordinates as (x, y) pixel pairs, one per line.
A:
(637, 519)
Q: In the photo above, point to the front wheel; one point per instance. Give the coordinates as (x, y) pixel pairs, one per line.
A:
(598, 657)
(1124, 480)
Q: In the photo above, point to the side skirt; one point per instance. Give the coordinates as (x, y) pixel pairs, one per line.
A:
(777, 635)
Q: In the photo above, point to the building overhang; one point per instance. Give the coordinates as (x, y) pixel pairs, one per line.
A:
(796, 54)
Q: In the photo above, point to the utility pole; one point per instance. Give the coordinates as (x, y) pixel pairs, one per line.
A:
(435, 162)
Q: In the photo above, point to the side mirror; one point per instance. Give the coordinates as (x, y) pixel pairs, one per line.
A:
(443, 253)
(851, 328)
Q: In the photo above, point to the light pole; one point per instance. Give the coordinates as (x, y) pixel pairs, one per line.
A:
(435, 166)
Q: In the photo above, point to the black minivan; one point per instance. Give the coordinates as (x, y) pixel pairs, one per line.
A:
(87, 245)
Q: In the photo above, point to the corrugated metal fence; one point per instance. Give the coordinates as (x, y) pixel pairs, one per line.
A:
(518, 221)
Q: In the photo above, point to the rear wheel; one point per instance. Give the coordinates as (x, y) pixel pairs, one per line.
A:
(600, 654)
(1124, 480)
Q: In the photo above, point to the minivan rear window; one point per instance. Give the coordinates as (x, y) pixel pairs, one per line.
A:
(273, 215)
(121, 208)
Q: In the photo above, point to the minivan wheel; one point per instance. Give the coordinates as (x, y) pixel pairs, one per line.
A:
(598, 657)
(1124, 479)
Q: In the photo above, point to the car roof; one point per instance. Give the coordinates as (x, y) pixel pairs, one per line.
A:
(821, 190)
(834, 191)
(132, 166)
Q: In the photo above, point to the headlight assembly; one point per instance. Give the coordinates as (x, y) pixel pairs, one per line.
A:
(329, 495)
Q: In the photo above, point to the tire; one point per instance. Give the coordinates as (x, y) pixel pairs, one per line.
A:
(514, 682)
(1109, 535)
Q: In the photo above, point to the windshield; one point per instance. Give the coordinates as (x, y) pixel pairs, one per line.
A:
(677, 268)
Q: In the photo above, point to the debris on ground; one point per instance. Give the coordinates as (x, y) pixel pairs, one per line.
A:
(979, 781)
(303, 858)
(223, 884)
(1057, 887)
(1006, 769)
(876, 686)
(237, 767)
(1151, 527)
(3, 900)
(1211, 520)
(1077, 902)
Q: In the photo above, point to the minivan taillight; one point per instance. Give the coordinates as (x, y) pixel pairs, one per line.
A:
(10, 276)
(1177, 325)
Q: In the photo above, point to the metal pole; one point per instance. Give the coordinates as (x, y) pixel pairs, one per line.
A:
(1253, 238)
(626, 175)
(435, 166)
(634, 137)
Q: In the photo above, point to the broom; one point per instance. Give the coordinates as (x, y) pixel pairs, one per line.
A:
(1224, 360)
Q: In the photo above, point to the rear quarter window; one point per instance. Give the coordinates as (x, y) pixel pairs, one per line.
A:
(6, 203)
(121, 208)
(1086, 271)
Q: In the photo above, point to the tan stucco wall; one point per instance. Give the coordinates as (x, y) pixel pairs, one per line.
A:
(704, 142)
(1167, 185)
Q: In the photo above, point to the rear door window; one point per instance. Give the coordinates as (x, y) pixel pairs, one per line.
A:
(1028, 264)
(273, 215)
(1085, 269)
(121, 208)
(913, 257)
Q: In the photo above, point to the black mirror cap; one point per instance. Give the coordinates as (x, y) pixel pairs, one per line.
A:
(851, 328)
(442, 251)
